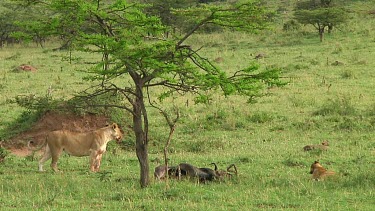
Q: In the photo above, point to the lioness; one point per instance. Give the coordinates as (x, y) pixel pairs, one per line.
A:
(91, 144)
(319, 172)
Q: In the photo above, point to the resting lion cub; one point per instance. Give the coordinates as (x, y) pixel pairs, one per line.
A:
(91, 144)
(319, 172)
(323, 146)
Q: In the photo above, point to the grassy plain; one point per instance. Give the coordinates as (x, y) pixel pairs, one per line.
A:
(330, 96)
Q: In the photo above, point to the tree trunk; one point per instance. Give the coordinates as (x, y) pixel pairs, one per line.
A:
(321, 34)
(141, 139)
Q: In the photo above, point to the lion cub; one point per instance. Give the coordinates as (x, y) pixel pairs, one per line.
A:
(323, 146)
(319, 172)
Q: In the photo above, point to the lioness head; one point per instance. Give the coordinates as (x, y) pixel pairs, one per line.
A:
(116, 132)
(315, 165)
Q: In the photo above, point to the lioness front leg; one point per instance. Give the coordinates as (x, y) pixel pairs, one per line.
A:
(98, 161)
(46, 156)
(93, 161)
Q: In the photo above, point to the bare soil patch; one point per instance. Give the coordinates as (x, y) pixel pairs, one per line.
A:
(51, 121)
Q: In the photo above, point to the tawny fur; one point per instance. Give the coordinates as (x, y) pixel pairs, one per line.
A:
(91, 144)
(323, 146)
(319, 172)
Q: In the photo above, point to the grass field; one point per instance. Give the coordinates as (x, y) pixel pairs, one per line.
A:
(330, 96)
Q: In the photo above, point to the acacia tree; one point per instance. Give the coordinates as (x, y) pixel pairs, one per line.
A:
(321, 14)
(133, 63)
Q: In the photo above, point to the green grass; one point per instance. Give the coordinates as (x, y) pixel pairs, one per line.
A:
(322, 101)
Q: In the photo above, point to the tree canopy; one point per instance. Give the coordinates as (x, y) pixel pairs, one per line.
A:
(137, 57)
(321, 14)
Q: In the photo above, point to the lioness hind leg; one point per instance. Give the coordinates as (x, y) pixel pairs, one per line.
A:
(46, 156)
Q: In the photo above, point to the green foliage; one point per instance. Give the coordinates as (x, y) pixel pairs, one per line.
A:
(321, 16)
(243, 15)
(164, 10)
(118, 31)
(3, 154)
(291, 25)
(32, 102)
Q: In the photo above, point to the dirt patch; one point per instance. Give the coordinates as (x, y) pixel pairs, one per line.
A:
(51, 121)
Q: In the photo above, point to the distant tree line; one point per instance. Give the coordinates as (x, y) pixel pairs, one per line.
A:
(21, 24)
(20, 20)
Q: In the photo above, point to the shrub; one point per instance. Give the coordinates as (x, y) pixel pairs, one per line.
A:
(347, 74)
(3, 154)
(291, 25)
(339, 106)
(261, 117)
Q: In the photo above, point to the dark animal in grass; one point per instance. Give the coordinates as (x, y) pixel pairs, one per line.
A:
(260, 56)
(161, 172)
(186, 170)
(228, 173)
(323, 146)
(202, 174)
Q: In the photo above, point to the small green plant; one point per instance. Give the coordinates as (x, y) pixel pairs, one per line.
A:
(105, 176)
(37, 103)
(3, 154)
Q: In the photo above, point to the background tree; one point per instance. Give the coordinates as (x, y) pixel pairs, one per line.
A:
(9, 13)
(321, 14)
(134, 63)
(22, 24)
(163, 9)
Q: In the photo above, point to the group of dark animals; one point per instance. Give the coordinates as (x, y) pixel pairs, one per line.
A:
(186, 170)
